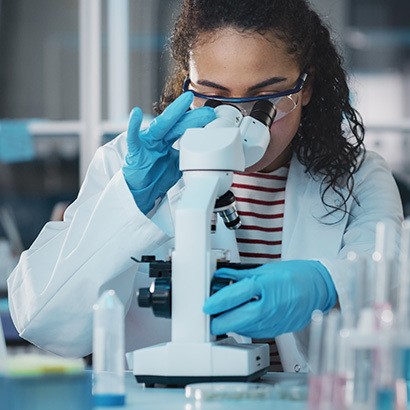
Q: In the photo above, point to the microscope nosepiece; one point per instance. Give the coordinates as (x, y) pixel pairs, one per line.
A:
(225, 206)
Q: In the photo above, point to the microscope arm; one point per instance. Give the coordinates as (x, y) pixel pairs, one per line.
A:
(192, 260)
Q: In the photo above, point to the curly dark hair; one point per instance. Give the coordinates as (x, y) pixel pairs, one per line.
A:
(323, 144)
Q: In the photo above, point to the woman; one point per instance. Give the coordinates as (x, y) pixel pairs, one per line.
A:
(313, 197)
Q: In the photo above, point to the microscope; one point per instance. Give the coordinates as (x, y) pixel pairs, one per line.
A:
(208, 158)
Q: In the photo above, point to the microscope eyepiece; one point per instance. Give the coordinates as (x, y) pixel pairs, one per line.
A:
(264, 111)
(215, 103)
(212, 103)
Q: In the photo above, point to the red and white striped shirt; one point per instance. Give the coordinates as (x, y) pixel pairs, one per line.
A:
(260, 200)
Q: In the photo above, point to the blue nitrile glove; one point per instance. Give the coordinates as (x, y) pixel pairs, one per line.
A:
(151, 164)
(272, 299)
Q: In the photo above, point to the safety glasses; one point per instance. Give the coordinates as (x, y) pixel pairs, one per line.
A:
(284, 102)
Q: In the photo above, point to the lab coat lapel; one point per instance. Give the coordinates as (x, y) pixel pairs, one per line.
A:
(306, 234)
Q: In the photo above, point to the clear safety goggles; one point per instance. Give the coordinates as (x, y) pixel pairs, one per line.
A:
(284, 102)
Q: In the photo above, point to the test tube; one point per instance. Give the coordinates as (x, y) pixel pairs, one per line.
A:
(362, 379)
(403, 311)
(315, 359)
(3, 350)
(354, 364)
(108, 351)
(333, 383)
(403, 317)
(384, 257)
(358, 295)
(383, 364)
(326, 388)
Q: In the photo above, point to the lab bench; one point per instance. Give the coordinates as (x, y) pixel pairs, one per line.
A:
(142, 398)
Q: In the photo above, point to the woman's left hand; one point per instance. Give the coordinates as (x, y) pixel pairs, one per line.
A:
(272, 299)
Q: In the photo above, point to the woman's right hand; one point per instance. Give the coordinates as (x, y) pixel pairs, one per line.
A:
(151, 165)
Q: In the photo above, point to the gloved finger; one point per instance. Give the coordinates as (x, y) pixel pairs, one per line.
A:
(247, 320)
(271, 268)
(242, 320)
(237, 274)
(197, 118)
(171, 115)
(134, 125)
(232, 296)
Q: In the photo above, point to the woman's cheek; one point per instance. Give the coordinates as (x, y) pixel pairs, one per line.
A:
(281, 135)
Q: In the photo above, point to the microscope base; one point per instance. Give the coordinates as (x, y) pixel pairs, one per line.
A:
(178, 364)
(181, 381)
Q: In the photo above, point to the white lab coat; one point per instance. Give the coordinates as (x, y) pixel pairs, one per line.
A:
(57, 281)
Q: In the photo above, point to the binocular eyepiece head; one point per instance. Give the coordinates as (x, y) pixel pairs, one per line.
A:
(263, 110)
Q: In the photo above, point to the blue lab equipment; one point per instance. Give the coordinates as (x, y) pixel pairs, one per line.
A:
(16, 143)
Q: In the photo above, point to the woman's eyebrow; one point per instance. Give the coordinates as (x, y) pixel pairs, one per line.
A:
(269, 81)
(211, 84)
(264, 83)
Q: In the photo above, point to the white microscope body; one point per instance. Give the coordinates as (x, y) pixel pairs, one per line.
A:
(208, 157)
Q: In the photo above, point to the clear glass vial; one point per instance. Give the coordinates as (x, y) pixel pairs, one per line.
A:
(108, 351)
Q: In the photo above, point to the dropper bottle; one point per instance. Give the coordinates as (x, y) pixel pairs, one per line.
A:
(108, 351)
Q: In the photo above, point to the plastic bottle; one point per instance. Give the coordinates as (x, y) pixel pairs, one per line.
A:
(108, 351)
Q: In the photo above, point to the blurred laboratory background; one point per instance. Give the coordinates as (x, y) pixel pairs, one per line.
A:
(71, 70)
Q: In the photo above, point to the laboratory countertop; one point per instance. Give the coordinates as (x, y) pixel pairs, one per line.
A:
(142, 398)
